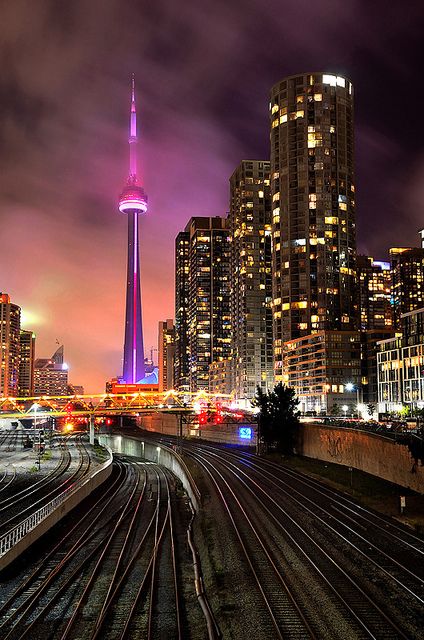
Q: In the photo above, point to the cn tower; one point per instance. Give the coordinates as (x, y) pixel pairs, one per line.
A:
(133, 201)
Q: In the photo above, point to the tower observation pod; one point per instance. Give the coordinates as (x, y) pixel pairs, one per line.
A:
(132, 202)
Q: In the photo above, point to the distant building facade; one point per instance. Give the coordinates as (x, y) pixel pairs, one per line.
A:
(10, 326)
(407, 269)
(51, 375)
(321, 368)
(400, 365)
(376, 320)
(368, 389)
(375, 308)
(182, 275)
(221, 376)
(26, 363)
(207, 328)
(251, 281)
(75, 389)
(166, 355)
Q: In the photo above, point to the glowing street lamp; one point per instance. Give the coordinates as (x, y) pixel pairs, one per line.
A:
(34, 408)
(344, 409)
(349, 386)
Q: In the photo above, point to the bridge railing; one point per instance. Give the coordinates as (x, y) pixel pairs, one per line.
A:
(15, 535)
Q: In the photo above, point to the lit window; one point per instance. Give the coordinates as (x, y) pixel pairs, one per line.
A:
(328, 79)
(318, 97)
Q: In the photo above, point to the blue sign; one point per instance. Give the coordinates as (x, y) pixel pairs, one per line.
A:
(245, 433)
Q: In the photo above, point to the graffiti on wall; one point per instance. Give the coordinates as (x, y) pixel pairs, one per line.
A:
(334, 446)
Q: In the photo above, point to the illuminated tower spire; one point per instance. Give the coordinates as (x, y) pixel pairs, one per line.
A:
(133, 201)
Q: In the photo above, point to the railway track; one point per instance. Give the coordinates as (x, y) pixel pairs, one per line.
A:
(115, 574)
(18, 505)
(305, 559)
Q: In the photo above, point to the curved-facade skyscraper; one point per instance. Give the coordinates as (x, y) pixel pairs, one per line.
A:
(133, 202)
(313, 208)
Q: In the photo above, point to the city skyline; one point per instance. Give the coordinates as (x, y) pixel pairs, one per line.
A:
(64, 135)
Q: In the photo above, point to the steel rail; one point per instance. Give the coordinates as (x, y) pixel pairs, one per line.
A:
(9, 481)
(303, 500)
(4, 504)
(113, 594)
(75, 572)
(30, 602)
(313, 544)
(211, 470)
(81, 540)
(95, 571)
(390, 528)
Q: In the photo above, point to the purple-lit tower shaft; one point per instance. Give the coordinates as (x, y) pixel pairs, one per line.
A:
(133, 201)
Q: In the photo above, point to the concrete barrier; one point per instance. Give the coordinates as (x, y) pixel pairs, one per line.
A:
(18, 539)
(224, 432)
(155, 453)
(372, 453)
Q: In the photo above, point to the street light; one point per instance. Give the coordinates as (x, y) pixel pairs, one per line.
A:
(34, 407)
(344, 409)
(349, 386)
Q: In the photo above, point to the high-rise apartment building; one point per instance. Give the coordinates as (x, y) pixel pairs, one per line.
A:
(26, 363)
(166, 355)
(376, 319)
(374, 279)
(313, 202)
(407, 269)
(10, 325)
(182, 272)
(208, 325)
(251, 282)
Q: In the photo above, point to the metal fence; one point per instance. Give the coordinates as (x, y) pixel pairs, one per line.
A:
(12, 537)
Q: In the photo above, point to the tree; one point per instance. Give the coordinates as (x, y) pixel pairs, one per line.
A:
(371, 409)
(278, 417)
(336, 410)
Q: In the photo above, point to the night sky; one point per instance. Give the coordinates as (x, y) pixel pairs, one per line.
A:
(203, 70)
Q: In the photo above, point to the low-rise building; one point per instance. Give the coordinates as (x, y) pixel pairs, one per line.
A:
(400, 365)
(324, 369)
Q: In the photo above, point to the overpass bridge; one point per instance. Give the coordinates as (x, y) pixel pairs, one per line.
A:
(112, 404)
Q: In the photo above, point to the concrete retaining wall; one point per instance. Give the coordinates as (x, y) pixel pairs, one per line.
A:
(168, 423)
(73, 500)
(154, 453)
(371, 453)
